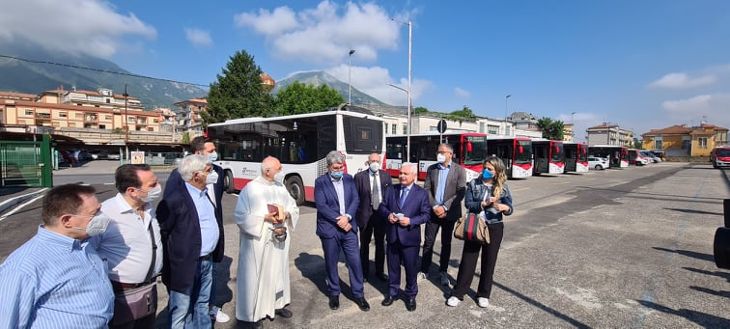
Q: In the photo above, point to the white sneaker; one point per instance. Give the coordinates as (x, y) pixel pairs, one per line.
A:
(483, 302)
(445, 279)
(422, 276)
(222, 317)
(453, 301)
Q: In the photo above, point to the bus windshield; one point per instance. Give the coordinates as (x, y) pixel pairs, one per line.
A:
(557, 152)
(523, 153)
(475, 154)
(582, 154)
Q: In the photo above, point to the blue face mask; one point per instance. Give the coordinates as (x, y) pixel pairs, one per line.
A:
(336, 174)
(486, 174)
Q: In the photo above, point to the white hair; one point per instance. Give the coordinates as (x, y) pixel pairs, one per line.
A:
(409, 165)
(192, 164)
(335, 157)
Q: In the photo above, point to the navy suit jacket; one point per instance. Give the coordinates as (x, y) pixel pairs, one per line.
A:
(176, 183)
(364, 191)
(328, 206)
(416, 207)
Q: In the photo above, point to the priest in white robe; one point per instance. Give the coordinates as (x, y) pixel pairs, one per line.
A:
(266, 215)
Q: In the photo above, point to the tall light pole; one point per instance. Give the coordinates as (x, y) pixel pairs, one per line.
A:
(505, 112)
(349, 77)
(410, 84)
(572, 130)
(126, 124)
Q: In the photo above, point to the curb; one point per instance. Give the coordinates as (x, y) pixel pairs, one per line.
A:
(10, 203)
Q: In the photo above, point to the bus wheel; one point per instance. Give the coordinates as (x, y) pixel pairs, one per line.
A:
(228, 182)
(296, 189)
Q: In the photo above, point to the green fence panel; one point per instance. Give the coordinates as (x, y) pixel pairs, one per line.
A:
(26, 163)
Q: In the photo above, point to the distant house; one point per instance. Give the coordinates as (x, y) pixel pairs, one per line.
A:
(609, 134)
(684, 141)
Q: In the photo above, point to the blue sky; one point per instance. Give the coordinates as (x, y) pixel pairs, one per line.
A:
(642, 64)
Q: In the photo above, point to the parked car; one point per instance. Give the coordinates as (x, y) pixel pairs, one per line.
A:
(720, 157)
(113, 156)
(99, 154)
(597, 163)
(651, 156)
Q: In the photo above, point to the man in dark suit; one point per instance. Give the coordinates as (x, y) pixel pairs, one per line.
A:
(336, 199)
(406, 207)
(191, 239)
(202, 146)
(446, 184)
(371, 186)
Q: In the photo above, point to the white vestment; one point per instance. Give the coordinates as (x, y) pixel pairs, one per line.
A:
(263, 262)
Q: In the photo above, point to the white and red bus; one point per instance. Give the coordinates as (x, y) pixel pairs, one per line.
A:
(549, 156)
(301, 142)
(618, 156)
(515, 152)
(576, 157)
(470, 150)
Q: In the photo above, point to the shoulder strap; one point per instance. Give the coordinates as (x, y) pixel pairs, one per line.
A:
(151, 271)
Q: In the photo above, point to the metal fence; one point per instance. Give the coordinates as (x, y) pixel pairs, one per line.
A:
(26, 163)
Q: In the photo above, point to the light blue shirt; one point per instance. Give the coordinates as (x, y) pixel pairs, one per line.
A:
(340, 190)
(54, 281)
(206, 215)
(443, 174)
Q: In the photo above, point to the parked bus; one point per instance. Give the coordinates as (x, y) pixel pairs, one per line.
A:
(549, 156)
(637, 159)
(516, 152)
(301, 142)
(617, 155)
(576, 157)
(470, 150)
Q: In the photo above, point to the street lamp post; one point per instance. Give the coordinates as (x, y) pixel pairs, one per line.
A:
(505, 113)
(410, 84)
(572, 122)
(408, 95)
(126, 124)
(349, 77)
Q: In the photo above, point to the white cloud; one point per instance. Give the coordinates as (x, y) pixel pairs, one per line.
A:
(326, 33)
(459, 92)
(374, 82)
(710, 107)
(90, 27)
(198, 37)
(690, 105)
(683, 81)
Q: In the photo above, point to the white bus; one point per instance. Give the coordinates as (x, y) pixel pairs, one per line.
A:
(301, 142)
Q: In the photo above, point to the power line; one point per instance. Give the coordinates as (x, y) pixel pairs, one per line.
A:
(98, 70)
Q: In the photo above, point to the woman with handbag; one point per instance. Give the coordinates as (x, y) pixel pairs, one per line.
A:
(489, 198)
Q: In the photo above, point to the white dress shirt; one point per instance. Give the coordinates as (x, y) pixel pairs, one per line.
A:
(125, 245)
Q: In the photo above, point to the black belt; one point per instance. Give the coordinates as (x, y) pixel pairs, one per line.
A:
(121, 286)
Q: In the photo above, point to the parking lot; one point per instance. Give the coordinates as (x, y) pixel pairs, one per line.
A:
(615, 248)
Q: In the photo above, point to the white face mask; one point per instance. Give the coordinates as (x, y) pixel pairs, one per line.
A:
(279, 177)
(212, 178)
(153, 194)
(97, 225)
(441, 158)
(374, 167)
(212, 157)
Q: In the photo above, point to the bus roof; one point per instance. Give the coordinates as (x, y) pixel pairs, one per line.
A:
(616, 146)
(298, 116)
(435, 133)
(502, 137)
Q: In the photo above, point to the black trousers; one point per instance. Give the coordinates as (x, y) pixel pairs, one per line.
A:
(447, 231)
(376, 227)
(469, 263)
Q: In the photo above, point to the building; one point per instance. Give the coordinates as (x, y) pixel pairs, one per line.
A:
(95, 117)
(684, 141)
(609, 134)
(188, 117)
(568, 135)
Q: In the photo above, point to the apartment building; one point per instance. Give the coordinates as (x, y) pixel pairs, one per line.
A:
(609, 134)
(683, 141)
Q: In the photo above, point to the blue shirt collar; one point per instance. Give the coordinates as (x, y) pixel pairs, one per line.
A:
(195, 191)
(441, 166)
(66, 243)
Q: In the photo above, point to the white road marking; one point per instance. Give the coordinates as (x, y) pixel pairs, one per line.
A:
(20, 207)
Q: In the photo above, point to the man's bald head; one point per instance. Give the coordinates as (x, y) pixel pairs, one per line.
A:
(270, 167)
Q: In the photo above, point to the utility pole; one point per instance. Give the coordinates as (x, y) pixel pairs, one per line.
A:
(126, 124)
(349, 77)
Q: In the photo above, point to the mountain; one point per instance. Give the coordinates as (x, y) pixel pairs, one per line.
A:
(318, 78)
(35, 78)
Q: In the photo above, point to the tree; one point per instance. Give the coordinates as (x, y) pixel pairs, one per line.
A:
(298, 98)
(186, 138)
(551, 129)
(238, 91)
(420, 110)
(465, 114)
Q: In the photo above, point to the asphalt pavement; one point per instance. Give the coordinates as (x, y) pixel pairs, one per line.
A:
(615, 248)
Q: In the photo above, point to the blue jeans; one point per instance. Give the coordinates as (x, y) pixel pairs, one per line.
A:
(190, 309)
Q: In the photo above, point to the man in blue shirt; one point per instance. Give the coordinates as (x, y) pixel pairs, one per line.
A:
(56, 279)
(190, 236)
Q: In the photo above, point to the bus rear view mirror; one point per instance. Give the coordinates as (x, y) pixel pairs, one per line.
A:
(469, 147)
